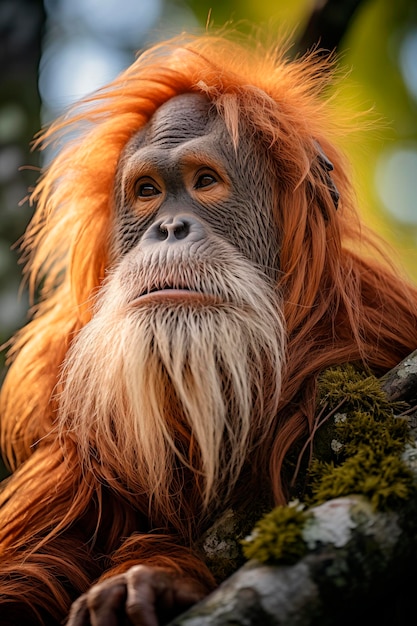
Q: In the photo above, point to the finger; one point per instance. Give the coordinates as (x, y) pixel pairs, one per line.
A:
(105, 603)
(144, 586)
(79, 613)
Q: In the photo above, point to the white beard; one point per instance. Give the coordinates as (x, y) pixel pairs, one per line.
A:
(156, 385)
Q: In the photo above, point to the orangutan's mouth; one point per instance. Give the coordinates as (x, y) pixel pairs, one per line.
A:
(176, 296)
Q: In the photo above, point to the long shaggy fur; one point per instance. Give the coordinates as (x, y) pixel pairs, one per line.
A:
(92, 479)
(186, 385)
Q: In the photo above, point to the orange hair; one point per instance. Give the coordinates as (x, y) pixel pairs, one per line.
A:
(343, 301)
(321, 277)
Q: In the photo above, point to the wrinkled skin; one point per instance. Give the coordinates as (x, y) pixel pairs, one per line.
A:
(183, 164)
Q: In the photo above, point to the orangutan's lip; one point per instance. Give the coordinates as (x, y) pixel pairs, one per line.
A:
(176, 296)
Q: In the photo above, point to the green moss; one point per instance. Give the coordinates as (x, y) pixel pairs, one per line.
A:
(358, 450)
(370, 440)
(277, 537)
(356, 389)
(386, 482)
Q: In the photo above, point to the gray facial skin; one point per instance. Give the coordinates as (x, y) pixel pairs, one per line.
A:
(181, 178)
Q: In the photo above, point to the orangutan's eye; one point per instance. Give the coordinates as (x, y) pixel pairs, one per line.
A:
(205, 179)
(146, 189)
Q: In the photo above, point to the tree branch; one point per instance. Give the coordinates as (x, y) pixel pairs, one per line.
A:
(360, 564)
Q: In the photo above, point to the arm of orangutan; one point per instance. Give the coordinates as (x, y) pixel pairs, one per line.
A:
(144, 595)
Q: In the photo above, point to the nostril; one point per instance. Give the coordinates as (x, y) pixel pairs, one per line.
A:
(171, 230)
(175, 229)
(162, 232)
(182, 230)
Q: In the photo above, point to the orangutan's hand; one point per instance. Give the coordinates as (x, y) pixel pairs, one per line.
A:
(142, 596)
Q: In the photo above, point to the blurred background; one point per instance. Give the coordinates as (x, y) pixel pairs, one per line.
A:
(53, 52)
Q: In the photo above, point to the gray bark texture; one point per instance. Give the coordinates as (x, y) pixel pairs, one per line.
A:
(400, 383)
(360, 563)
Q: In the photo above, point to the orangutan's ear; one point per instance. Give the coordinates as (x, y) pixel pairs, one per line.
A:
(327, 166)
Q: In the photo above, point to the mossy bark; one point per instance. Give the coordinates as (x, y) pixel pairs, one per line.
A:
(359, 567)
(360, 563)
